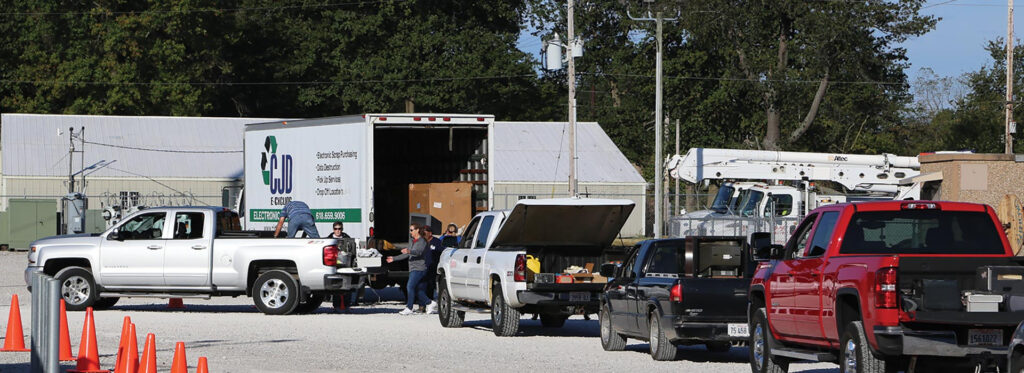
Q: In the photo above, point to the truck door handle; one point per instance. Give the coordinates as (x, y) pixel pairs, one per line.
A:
(198, 247)
(154, 247)
(478, 260)
(465, 259)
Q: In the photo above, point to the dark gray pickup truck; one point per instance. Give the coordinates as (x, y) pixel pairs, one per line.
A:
(678, 292)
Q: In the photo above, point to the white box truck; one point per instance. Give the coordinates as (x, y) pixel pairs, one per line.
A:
(357, 169)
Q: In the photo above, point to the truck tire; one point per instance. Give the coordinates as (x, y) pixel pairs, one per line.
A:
(105, 303)
(761, 359)
(661, 348)
(855, 354)
(504, 318)
(312, 303)
(77, 287)
(446, 313)
(275, 293)
(552, 320)
(610, 340)
(1016, 362)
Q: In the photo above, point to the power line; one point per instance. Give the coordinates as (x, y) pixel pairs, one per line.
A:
(684, 77)
(183, 194)
(164, 150)
(100, 12)
(329, 82)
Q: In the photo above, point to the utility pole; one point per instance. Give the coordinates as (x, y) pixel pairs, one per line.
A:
(71, 160)
(1009, 79)
(572, 107)
(658, 119)
(676, 190)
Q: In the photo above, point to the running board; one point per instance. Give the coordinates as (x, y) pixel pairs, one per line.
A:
(459, 307)
(151, 295)
(805, 354)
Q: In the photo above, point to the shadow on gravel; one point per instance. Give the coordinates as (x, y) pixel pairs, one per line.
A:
(533, 328)
(188, 308)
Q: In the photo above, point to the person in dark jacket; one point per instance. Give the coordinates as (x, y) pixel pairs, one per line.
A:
(416, 288)
(434, 248)
(451, 236)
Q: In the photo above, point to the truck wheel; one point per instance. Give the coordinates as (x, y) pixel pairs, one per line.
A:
(105, 303)
(504, 318)
(855, 354)
(718, 347)
(661, 348)
(275, 293)
(610, 340)
(1017, 363)
(761, 359)
(449, 317)
(312, 303)
(77, 287)
(552, 320)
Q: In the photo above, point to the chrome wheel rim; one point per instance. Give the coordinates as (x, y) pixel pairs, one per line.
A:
(850, 360)
(443, 305)
(497, 310)
(758, 347)
(75, 290)
(606, 327)
(654, 335)
(274, 293)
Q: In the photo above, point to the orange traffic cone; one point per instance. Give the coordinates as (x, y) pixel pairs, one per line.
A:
(130, 362)
(175, 303)
(179, 364)
(88, 352)
(201, 366)
(148, 363)
(15, 340)
(65, 338)
(122, 345)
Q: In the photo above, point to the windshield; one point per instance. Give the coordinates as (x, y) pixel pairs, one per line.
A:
(748, 206)
(722, 199)
(921, 232)
(735, 203)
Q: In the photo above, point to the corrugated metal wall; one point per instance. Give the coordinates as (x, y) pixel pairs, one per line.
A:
(506, 194)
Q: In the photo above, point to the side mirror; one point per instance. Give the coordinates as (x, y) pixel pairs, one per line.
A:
(115, 235)
(608, 270)
(760, 245)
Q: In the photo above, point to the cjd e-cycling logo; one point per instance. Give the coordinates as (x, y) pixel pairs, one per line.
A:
(277, 168)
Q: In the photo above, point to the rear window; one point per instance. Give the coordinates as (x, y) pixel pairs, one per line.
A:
(921, 232)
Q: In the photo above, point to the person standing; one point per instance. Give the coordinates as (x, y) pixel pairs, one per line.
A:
(299, 217)
(415, 288)
(338, 231)
(434, 248)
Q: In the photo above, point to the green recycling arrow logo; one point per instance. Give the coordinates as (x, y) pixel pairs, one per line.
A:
(270, 145)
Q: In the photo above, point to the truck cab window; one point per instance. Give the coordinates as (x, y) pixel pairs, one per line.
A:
(628, 269)
(665, 259)
(823, 235)
(485, 230)
(469, 234)
(188, 225)
(143, 227)
(783, 205)
(798, 242)
(228, 221)
(748, 207)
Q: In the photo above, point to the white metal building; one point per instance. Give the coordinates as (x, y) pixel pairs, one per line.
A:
(531, 160)
(192, 160)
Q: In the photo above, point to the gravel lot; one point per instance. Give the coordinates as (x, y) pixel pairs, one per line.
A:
(235, 337)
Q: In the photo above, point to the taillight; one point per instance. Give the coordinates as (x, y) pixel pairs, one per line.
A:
(676, 293)
(330, 255)
(520, 274)
(886, 295)
(371, 231)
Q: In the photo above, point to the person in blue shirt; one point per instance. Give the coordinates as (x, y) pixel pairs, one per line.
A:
(435, 249)
(451, 236)
(299, 217)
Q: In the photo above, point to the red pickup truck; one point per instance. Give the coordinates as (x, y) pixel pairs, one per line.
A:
(875, 285)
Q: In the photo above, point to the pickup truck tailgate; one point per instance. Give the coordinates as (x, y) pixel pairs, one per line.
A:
(713, 299)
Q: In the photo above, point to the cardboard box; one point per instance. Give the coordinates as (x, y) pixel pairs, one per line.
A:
(446, 202)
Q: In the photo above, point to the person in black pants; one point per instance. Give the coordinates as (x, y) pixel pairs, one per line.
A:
(433, 255)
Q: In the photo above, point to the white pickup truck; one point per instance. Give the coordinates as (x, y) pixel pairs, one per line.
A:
(195, 252)
(514, 262)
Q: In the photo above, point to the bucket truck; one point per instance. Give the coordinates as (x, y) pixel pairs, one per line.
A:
(766, 203)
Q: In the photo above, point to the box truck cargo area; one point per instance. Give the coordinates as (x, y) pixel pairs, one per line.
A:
(357, 169)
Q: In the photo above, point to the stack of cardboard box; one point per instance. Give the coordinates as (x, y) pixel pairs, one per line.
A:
(446, 202)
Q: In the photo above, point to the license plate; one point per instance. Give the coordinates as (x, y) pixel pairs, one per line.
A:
(579, 296)
(738, 330)
(985, 337)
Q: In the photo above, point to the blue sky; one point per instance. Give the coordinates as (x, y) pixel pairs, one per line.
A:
(957, 43)
(954, 47)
